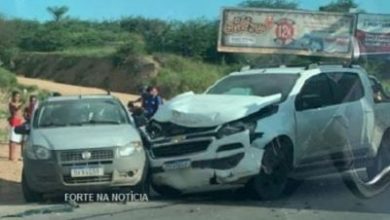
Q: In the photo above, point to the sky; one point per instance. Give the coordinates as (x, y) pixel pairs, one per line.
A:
(163, 9)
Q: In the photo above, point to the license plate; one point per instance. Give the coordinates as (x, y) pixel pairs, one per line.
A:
(177, 164)
(87, 171)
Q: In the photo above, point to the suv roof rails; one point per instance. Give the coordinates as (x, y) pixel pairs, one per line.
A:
(342, 64)
(307, 66)
(246, 68)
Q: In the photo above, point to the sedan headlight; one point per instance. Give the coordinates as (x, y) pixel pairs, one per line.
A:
(37, 152)
(130, 148)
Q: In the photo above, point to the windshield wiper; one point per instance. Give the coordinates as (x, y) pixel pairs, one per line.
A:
(98, 122)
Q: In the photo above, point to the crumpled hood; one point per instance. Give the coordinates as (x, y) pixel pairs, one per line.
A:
(84, 137)
(204, 110)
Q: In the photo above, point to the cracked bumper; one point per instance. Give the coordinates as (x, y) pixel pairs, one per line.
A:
(220, 165)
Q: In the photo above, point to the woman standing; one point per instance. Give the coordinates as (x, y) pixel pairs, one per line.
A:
(16, 119)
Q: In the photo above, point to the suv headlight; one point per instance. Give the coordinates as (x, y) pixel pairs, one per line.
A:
(236, 127)
(129, 149)
(37, 152)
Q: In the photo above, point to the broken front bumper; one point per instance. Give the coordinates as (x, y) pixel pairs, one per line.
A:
(212, 162)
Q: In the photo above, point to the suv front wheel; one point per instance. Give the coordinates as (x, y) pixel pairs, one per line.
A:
(272, 180)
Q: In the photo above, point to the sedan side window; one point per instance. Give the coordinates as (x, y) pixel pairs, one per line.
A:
(315, 93)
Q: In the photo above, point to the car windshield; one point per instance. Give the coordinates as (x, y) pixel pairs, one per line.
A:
(80, 112)
(255, 85)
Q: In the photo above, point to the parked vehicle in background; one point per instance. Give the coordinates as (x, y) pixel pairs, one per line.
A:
(265, 128)
(82, 143)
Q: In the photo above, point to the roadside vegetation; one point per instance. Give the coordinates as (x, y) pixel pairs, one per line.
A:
(187, 49)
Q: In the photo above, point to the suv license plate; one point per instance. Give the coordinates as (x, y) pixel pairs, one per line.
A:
(87, 171)
(177, 164)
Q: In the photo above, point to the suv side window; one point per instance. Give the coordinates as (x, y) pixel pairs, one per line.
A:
(315, 93)
(346, 87)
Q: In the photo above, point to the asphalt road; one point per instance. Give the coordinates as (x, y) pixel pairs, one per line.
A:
(326, 199)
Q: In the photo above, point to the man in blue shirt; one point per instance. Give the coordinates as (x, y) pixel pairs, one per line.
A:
(151, 101)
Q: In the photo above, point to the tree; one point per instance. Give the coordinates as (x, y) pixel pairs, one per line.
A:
(339, 6)
(154, 31)
(282, 4)
(58, 12)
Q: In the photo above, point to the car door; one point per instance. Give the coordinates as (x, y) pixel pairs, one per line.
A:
(353, 110)
(315, 110)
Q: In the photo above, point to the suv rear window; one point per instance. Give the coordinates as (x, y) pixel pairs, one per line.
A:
(346, 87)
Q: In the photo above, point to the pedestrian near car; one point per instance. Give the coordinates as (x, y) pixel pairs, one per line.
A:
(143, 95)
(15, 119)
(31, 107)
(152, 101)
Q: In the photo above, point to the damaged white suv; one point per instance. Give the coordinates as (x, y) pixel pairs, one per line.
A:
(261, 128)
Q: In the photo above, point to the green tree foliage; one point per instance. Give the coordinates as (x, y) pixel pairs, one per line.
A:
(153, 31)
(178, 74)
(7, 79)
(58, 12)
(134, 46)
(193, 38)
(46, 38)
(339, 6)
(282, 4)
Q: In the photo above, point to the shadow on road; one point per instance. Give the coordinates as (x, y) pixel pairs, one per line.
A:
(315, 195)
(10, 193)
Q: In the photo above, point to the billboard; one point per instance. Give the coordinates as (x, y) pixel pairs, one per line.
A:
(286, 32)
(373, 34)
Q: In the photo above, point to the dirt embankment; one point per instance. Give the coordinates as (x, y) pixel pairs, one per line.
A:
(100, 72)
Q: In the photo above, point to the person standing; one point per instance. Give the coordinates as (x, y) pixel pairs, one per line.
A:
(143, 91)
(32, 106)
(152, 102)
(15, 119)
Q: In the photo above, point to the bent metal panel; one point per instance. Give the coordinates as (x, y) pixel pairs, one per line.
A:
(286, 31)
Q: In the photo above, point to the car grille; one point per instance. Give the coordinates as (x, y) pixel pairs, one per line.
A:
(180, 149)
(94, 179)
(106, 154)
(167, 129)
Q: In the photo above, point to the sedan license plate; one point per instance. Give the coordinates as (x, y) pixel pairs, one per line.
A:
(87, 171)
(177, 164)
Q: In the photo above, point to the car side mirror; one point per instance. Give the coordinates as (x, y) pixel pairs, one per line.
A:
(23, 129)
(310, 101)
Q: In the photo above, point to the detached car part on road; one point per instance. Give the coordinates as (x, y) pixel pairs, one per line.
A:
(81, 143)
(264, 128)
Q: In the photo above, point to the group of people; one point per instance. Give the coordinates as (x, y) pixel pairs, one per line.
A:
(19, 114)
(150, 101)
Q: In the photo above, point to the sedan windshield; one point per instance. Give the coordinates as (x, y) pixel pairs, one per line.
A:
(80, 112)
(255, 85)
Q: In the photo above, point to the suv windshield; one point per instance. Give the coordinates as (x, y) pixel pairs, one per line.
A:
(80, 112)
(256, 85)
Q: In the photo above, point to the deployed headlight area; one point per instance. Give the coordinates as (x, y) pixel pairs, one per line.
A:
(37, 152)
(248, 123)
(129, 149)
(156, 129)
